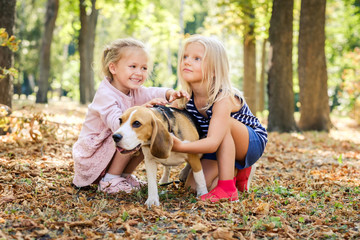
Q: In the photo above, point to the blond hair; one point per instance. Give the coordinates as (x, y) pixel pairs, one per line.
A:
(115, 51)
(215, 70)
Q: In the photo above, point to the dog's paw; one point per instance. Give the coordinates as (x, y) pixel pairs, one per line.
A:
(152, 201)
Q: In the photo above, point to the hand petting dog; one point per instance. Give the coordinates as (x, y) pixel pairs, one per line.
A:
(177, 95)
(155, 101)
(171, 95)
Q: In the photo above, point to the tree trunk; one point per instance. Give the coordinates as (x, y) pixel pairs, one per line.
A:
(7, 21)
(280, 82)
(314, 99)
(250, 72)
(86, 50)
(45, 51)
(249, 86)
(261, 99)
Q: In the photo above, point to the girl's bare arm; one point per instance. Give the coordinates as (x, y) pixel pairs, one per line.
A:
(219, 125)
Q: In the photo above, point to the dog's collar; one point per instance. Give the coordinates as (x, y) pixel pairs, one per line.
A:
(166, 112)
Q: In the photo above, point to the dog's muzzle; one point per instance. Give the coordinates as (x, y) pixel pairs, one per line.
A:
(117, 138)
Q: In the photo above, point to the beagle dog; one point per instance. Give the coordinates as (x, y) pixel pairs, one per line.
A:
(151, 130)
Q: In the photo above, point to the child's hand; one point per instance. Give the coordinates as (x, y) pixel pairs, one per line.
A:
(176, 144)
(178, 94)
(155, 101)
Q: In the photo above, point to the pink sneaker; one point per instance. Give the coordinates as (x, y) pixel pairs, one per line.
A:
(134, 181)
(115, 185)
(218, 194)
(243, 178)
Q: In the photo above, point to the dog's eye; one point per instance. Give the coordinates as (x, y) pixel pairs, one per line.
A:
(136, 124)
(120, 121)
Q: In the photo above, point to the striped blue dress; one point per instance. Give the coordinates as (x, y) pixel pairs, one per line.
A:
(244, 115)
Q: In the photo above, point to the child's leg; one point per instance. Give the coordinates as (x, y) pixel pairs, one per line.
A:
(230, 148)
(124, 163)
(215, 170)
(234, 146)
(241, 144)
(226, 157)
(240, 135)
(135, 160)
(225, 188)
(118, 163)
(210, 169)
(254, 151)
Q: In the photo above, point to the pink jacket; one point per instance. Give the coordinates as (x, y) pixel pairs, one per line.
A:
(94, 149)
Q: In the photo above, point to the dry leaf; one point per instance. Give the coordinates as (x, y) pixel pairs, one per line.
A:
(42, 232)
(200, 227)
(269, 226)
(222, 233)
(299, 182)
(262, 209)
(81, 223)
(7, 199)
(132, 222)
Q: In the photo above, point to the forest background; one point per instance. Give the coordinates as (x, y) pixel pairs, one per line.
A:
(297, 63)
(61, 44)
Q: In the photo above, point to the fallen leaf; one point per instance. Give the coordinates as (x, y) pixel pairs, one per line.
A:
(81, 223)
(222, 233)
(42, 232)
(200, 227)
(7, 199)
(262, 209)
(132, 222)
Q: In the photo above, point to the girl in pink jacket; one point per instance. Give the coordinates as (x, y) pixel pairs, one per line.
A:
(125, 64)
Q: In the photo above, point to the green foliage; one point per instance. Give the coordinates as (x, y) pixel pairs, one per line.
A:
(125, 216)
(230, 21)
(28, 27)
(4, 119)
(237, 16)
(13, 44)
(8, 71)
(342, 51)
(350, 86)
(340, 161)
(156, 22)
(276, 221)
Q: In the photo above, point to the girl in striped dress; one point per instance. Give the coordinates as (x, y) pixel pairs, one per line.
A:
(229, 133)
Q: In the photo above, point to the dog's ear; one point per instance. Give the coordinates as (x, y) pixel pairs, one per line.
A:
(161, 140)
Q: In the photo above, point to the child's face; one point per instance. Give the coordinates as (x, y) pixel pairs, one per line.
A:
(131, 71)
(191, 63)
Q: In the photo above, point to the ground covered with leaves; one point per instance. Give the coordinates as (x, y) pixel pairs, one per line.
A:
(307, 186)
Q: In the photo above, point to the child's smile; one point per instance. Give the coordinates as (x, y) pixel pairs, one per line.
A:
(130, 71)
